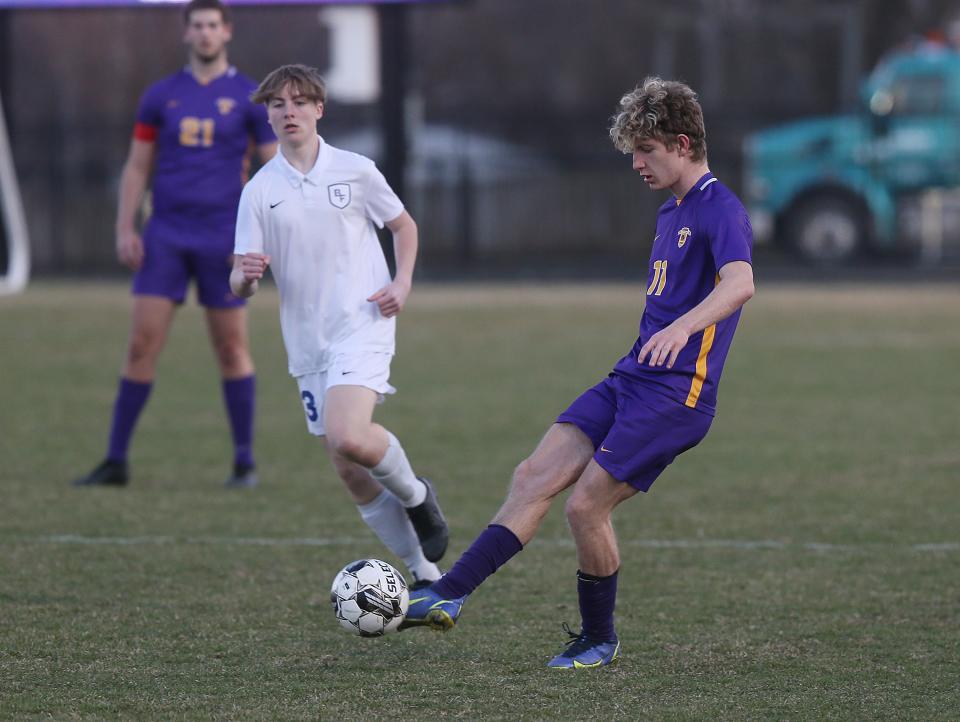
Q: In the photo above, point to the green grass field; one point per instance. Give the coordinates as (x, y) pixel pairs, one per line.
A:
(803, 563)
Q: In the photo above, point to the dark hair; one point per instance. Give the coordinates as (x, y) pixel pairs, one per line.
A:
(302, 79)
(194, 5)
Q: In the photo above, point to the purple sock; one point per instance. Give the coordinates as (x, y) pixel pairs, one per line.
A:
(238, 395)
(131, 398)
(598, 596)
(495, 546)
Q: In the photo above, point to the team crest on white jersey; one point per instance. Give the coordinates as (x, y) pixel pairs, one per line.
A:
(339, 194)
(682, 235)
(225, 105)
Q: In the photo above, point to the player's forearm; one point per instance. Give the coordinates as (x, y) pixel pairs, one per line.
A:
(405, 245)
(133, 184)
(730, 294)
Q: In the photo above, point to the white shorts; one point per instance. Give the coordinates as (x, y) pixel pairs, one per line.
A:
(371, 370)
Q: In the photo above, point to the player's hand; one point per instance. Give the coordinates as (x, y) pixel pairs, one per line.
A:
(664, 346)
(253, 266)
(130, 249)
(391, 298)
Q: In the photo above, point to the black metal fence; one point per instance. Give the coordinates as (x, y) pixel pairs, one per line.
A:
(527, 178)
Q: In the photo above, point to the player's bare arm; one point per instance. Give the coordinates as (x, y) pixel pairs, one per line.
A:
(133, 183)
(392, 297)
(734, 289)
(247, 271)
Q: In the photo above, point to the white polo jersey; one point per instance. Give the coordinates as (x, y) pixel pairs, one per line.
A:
(318, 230)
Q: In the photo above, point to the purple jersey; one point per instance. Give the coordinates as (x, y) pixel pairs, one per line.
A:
(203, 133)
(695, 238)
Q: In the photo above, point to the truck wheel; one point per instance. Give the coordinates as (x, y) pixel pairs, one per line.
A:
(827, 230)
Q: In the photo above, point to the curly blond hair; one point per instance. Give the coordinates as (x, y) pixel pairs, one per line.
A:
(661, 110)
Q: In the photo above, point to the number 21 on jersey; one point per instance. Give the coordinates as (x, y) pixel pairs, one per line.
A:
(659, 278)
(196, 131)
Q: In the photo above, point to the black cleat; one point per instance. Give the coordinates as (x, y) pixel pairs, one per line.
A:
(429, 524)
(243, 477)
(109, 473)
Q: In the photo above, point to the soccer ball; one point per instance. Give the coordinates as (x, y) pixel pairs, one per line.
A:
(369, 597)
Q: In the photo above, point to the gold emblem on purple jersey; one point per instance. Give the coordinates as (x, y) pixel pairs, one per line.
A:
(225, 105)
(682, 235)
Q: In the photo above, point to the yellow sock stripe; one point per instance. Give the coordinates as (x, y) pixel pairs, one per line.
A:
(701, 373)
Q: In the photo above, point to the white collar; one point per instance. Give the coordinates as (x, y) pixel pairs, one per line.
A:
(295, 177)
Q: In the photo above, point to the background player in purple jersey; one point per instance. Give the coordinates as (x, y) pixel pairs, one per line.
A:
(193, 133)
(617, 437)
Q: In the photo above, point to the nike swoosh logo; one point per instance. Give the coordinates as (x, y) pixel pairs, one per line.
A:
(603, 448)
(344, 373)
(438, 603)
(274, 205)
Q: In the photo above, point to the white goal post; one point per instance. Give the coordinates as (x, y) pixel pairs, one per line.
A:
(14, 223)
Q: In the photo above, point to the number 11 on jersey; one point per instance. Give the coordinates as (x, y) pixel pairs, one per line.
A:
(659, 278)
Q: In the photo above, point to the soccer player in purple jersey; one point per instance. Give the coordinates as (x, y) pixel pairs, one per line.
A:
(193, 134)
(619, 436)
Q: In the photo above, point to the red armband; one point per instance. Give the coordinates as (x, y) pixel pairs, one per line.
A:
(144, 132)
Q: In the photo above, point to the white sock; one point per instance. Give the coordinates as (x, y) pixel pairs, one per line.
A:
(396, 475)
(388, 519)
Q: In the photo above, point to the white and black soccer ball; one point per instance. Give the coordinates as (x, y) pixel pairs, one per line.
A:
(369, 597)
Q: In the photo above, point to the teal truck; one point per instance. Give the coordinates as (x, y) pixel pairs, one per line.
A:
(884, 178)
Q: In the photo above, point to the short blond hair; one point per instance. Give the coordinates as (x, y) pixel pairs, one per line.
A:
(661, 110)
(302, 79)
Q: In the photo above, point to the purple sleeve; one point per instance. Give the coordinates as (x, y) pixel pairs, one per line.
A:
(731, 236)
(257, 124)
(150, 111)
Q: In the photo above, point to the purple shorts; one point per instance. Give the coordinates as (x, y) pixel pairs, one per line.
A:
(636, 432)
(169, 263)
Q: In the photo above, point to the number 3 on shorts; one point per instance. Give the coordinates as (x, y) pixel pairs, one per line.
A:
(310, 406)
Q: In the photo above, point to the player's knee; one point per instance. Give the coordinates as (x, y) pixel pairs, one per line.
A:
(143, 349)
(234, 357)
(350, 445)
(580, 510)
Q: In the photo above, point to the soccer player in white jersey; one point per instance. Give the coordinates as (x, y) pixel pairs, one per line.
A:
(310, 215)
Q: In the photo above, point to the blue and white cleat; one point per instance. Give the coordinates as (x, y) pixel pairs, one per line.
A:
(585, 653)
(429, 609)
